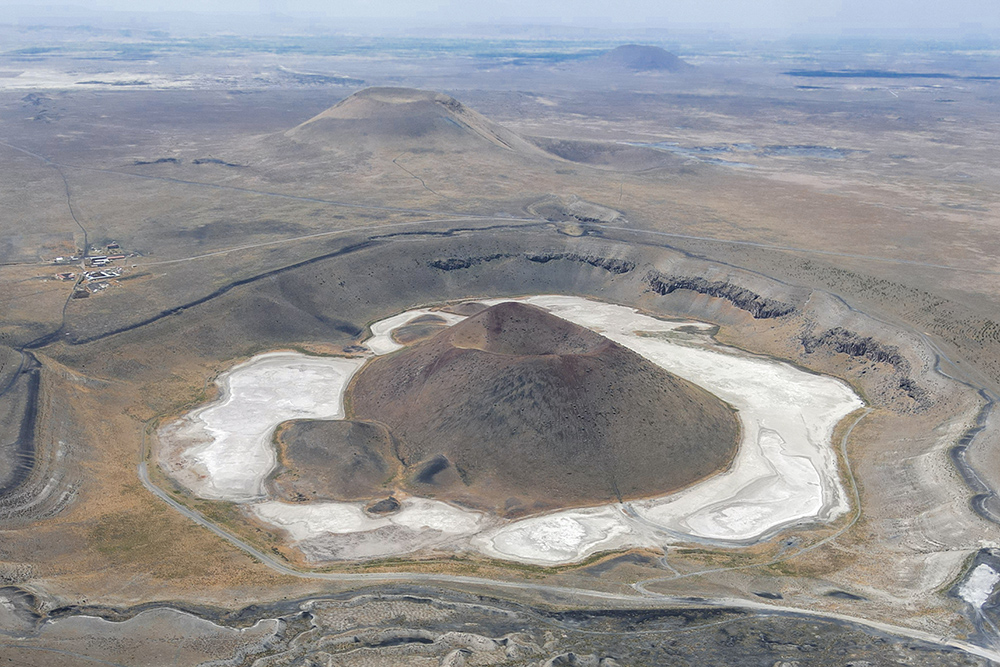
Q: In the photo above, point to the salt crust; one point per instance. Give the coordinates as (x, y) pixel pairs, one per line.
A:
(231, 449)
(304, 521)
(785, 471)
(976, 590)
(381, 341)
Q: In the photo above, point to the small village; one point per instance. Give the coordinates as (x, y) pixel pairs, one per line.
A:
(99, 271)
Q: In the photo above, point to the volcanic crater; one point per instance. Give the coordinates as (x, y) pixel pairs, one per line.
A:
(514, 411)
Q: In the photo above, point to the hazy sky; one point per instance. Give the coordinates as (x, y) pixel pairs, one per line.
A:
(783, 16)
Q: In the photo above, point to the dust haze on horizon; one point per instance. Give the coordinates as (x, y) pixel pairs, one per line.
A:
(927, 19)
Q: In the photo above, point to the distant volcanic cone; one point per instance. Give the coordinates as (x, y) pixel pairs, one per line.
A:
(639, 58)
(517, 411)
(406, 119)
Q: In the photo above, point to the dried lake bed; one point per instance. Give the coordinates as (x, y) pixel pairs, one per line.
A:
(785, 471)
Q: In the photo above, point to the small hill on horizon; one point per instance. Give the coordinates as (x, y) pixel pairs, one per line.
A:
(641, 58)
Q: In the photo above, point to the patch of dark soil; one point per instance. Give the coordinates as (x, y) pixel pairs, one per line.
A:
(615, 156)
(402, 640)
(384, 506)
(221, 163)
(769, 596)
(419, 329)
(438, 472)
(35, 99)
(844, 595)
(468, 308)
(611, 563)
(230, 228)
(162, 160)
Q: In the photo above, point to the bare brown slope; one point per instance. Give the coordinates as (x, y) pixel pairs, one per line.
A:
(517, 410)
(333, 460)
(406, 119)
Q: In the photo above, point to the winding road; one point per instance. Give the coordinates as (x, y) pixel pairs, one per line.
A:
(643, 597)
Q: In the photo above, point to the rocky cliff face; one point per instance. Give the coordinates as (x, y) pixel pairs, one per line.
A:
(759, 306)
(839, 339)
(611, 264)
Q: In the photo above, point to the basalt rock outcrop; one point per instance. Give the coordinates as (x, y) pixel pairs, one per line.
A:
(760, 307)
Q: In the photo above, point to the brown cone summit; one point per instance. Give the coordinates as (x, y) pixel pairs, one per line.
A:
(517, 410)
